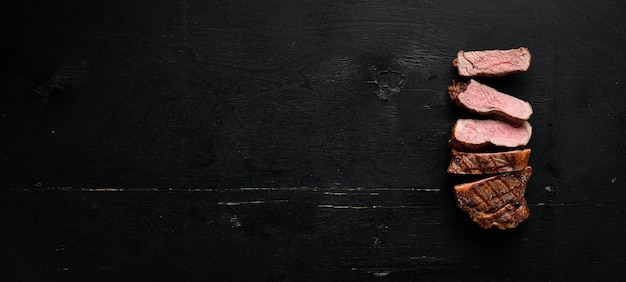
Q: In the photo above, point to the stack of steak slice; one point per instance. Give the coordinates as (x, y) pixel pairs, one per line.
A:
(494, 145)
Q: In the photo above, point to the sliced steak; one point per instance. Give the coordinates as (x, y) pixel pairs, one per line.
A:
(478, 135)
(492, 62)
(497, 201)
(488, 163)
(484, 100)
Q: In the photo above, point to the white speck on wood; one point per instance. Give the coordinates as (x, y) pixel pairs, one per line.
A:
(236, 223)
(346, 207)
(336, 193)
(381, 273)
(257, 202)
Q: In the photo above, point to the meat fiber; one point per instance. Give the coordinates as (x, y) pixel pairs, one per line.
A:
(488, 163)
(492, 62)
(478, 135)
(497, 201)
(481, 99)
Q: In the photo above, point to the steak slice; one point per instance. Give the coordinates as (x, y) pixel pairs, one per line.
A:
(488, 163)
(478, 135)
(492, 62)
(481, 99)
(497, 201)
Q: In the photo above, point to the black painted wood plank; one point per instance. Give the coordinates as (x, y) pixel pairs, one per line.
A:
(299, 233)
(205, 98)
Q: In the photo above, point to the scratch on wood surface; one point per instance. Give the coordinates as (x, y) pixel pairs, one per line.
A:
(349, 207)
(239, 203)
(336, 193)
(83, 268)
(345, 207)
(351, 80)
(381, 273)
(103, 189)
(250, 202)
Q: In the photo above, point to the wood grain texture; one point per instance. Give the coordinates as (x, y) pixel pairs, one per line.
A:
(296, 234)
(207, 97)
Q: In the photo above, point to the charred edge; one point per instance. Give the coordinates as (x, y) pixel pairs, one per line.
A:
(486, 147)
(516, 122)
(467, 147)
(512, 159)
(457, 88)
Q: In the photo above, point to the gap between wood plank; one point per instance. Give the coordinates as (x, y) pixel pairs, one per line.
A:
(328, 190)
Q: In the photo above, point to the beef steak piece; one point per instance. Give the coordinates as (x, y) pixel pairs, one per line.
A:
(478, 135)
(497, 201)
(488, 163)
(492, 62)
(481, 99)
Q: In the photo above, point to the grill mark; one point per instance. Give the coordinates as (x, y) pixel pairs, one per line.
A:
(482, 162)
(513, 187)
(506, 160)
(495, 165)
(500, 184)
(511, 160)
(506, 195)
(503, 162)
(484, 192)
(516, 192)
(478, 162)
(497, 201)
(477, 195)
(465, 161)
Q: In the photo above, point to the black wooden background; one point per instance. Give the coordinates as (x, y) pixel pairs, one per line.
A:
(298, 140)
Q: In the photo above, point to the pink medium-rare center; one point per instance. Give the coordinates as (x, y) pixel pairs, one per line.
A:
(492, 62)
(482, 99)
(474, 134)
